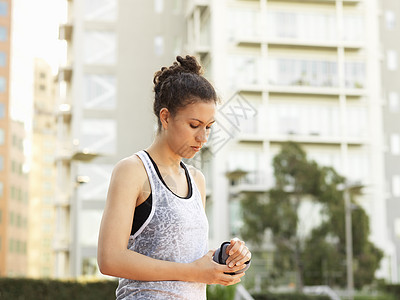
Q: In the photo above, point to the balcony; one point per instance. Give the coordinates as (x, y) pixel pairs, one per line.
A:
(290, 42)
(67, 151)
(64, 151)
(84, 155)
(243, 40)
(248, 181)
(193, 4)
(250, 88)
(61, 244)
(250, 137)
(316, 139)
(62, 200)
(65, 32)
(65, 74)
(323, 1)
(202, 50)
(64, 111)
(308, 90)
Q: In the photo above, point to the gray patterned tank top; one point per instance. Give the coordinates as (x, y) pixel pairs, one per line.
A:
(176, 230)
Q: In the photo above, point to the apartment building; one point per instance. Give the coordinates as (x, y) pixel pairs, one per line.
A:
(13, 188)
(305, 71)
(390, 68)
(104, 110)
(42, 174)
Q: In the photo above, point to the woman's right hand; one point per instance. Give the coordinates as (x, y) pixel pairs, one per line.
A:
(208, 271)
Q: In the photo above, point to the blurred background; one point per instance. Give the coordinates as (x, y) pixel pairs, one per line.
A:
(303, 163)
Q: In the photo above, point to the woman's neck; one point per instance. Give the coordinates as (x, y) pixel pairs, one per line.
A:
(163, 155)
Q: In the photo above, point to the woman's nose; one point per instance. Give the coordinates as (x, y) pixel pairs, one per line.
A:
(202, 136)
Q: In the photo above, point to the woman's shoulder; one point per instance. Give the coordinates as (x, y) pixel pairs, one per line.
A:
(131, 165)
(197, 175)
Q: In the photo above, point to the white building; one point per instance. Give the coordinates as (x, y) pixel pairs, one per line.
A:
(105, 110)
(306, 71)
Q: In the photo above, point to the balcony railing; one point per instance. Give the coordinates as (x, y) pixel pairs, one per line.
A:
(65, 32)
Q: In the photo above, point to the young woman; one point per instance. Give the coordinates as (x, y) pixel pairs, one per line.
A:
(154, 230)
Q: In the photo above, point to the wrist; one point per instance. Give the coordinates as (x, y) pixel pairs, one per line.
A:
(187, 272)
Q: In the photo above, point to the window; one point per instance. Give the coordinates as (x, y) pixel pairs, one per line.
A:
(395, 144)
(2, 136)
(396, 186)
(391, 59)
(99, 135)
(394, 102)
(296, 72)
(3, 34)
(1, 216)
(1, 189)
(2, 110)
(100, 92)
(1, 163)
(99, 175)
(354, 28)
(2, 84)
(3, 60)
(245, 23)
(244, 70)
(305, 26)
(390, 19)
(103, 10)
(354, 74)
(159, 45)
(100, 47)
(397, 227)
(3, 8)
(158, 6)
(290, 118)
(177, 6)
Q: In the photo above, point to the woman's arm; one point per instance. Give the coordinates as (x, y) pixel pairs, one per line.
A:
(115, 259)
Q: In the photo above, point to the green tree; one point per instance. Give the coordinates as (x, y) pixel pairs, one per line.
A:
(318, 258)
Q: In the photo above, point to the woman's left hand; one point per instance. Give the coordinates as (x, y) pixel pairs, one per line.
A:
(238, 253)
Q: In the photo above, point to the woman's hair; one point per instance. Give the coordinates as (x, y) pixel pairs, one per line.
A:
(179, 85)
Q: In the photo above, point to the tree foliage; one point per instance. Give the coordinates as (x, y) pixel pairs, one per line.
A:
(320, 257)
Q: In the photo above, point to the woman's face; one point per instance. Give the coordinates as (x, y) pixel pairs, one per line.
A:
(189, 129)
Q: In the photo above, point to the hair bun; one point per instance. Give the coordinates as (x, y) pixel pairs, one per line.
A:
(188, 64)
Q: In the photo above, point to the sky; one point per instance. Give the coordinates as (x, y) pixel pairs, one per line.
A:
(34, 34)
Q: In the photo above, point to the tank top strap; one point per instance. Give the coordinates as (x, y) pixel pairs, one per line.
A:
(151, 172)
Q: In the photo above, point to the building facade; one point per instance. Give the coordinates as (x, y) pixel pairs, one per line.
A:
(389, 31)
(305, 71)
(13, 180)
(42, 174)
(104, 110)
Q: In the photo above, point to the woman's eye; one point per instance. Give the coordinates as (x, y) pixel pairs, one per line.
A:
(193, 126)
(209, 127)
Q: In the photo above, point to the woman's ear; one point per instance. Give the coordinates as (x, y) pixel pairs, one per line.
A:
(164, 117)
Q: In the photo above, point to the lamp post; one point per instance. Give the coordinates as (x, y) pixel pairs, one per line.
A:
(347, 189)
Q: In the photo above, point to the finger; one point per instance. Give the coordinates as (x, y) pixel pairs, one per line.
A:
(233, 279)
(244, 259)
(236, 244)
(232, 243)
(226, 269)
(237, 256)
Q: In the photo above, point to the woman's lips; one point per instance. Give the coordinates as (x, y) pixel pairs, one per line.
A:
(196, 148)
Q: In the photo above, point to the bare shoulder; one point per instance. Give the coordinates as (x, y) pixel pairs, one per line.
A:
(130, 167)
(196, 174)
